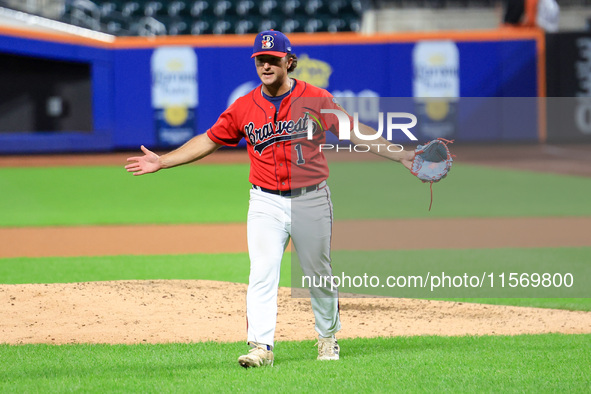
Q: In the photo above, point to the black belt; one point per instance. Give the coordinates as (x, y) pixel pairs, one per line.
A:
(289, 193)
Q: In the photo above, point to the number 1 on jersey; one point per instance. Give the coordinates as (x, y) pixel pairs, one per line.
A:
(300, 161)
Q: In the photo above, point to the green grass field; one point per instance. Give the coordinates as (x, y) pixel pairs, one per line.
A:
(207, 193)
(219, 193)
(534, 363)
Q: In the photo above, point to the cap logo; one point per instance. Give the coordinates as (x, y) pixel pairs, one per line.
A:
(268, 42)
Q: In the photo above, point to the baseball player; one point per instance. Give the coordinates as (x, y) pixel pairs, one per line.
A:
(288, 174)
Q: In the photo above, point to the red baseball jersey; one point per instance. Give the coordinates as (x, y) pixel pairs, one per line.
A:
(281, 155)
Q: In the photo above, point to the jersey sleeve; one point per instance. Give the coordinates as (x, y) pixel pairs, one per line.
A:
(225, 131)
(331, 121)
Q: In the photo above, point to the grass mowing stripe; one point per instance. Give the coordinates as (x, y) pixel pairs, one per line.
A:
(383, 264)
(484, 364)
(383, 190)
(572, 304)
(110, 195)
(235, 268)
(219, 193)
(229, 267)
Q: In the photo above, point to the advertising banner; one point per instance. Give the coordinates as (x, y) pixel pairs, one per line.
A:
(436, 87)
(568, 107)
(174, 94)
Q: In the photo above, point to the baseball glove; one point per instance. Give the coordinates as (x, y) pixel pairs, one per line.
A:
(432, 162)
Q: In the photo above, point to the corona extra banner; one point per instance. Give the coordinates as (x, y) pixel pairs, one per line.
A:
(174, 94)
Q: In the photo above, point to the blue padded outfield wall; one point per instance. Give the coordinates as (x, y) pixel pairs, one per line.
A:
(486, 80)
(100, 138)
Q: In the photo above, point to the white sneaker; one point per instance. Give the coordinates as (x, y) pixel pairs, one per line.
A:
(328, 348)
(257, 357)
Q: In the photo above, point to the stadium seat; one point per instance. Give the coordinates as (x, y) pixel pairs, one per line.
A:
(132, 9)
(335, 6)
(148, 27)
(115, 24)
(313, 7)
(313, 25)
(178, 26)
(292, 25)
(221, 7)
(125, 17)
(85, 13)
(335, 25)
(204, 25)
(244, 7)
(267, 24)
(200, 7)
(268, 8)
(350, 7)
(293, 7)
(221, 27)
(353, 23)
(155, 9)
(177, 9)
(113, 28)
(108, 7)
(245, 26)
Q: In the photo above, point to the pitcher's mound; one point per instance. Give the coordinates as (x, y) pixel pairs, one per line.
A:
(162, 311)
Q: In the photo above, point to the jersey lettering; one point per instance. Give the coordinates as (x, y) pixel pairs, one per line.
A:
(268, 135)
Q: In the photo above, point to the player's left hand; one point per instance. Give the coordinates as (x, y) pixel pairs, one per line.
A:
(432, 161)
(407, 159)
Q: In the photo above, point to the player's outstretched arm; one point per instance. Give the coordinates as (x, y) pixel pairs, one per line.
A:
(404, 157)
(196, 148)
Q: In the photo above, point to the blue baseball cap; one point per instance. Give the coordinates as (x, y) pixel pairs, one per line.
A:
(271, 42)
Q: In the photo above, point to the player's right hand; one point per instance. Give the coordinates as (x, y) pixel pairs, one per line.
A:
(146, 164)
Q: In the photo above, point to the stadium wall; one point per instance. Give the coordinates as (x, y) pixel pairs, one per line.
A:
(134, 99)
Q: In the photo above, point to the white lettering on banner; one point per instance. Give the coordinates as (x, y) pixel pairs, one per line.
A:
(174, 77)
(345, 125)
(583, 67)
(583, 115)
(436, 69)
